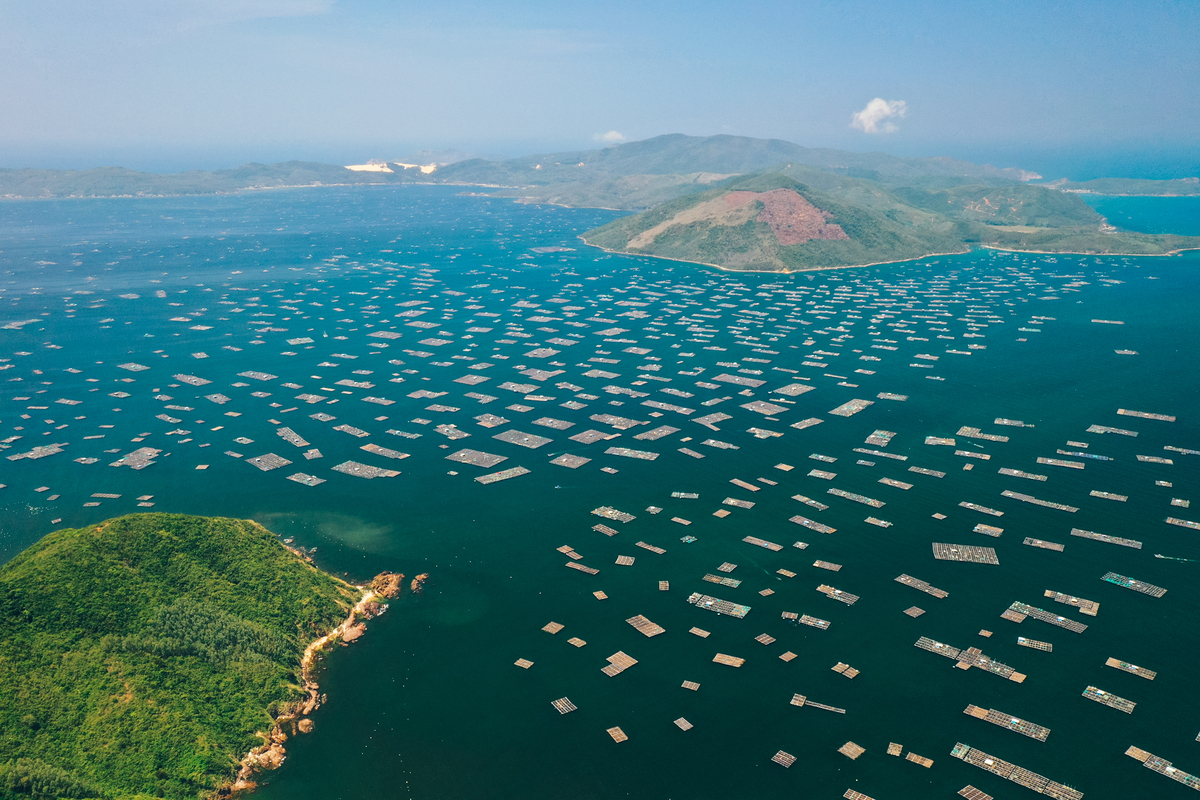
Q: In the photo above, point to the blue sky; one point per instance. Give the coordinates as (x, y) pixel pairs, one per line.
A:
(212, 83)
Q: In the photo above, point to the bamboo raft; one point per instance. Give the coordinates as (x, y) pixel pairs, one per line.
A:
(1100, 537)
(608, 512)
(1016, 473)
(827, 565)
(822, 474)
(691, 685)
(964, 552)
(857, 498)
(1058, 462)
(1045, 616)
(914, 612)
(1025, 498)
(922, 471)
(971, 657)
(1008, 722)
(838, 594)
(916, 759)
(476, 457)
(811, 524)
(1130, 583)
(845, 669)
(1125, 412)
(988, 530)
(894, 749)
(787, 656)
(982, 509)
(975, 433)
(762, 543)
(814, 622)
(1018, 775)
(664, 586)
(1124, 666)
(851, 408)
(582, 568)
(971, 793)
(523, 663)
(502, 475)
(617, 734)
(563, 705)
(650, 547)
(787, 573)
(732, 583)
(784, 759)
(575, 641)
(922, 586)
(683, 724)
(618, 662)
(553, 627)
(703, 634)
(850, 793)
(1035, 644)
(881, 454)
(1089, 607)
(645, 626)
(1107, 429)
(895, 483)
(1120, 498)
(729, 661)
(727, 567)
(1108, 699)
(1044, 545)
(851, 750)
(763, 638)
(1163, 767)
(718, 606)
(808, 501)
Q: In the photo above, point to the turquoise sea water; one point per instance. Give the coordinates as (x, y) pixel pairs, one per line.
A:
(429, 704)
(1150, 214)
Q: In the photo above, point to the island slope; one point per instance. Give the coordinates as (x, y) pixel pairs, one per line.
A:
(140, 656)
(771, 222)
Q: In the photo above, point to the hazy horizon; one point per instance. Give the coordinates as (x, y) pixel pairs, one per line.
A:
(1073, 90)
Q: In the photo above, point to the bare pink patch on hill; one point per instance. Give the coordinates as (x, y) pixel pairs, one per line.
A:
(793, 219)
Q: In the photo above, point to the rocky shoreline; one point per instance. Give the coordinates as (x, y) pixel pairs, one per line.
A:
(295, 717)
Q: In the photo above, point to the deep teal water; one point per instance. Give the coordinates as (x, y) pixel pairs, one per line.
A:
(429, 703)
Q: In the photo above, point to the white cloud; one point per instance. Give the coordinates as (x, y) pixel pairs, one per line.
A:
(612, 137)
(877, 116)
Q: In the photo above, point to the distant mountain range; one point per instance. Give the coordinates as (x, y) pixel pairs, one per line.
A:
(702, 193)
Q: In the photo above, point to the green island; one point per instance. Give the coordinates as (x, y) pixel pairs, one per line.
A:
(773, 222)
(148, 655)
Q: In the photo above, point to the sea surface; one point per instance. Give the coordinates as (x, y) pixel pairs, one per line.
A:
(252, 338)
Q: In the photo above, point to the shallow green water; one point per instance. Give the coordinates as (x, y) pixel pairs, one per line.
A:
(429, 703)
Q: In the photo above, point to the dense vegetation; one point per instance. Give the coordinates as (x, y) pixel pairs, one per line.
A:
(139, 657)
(884, 222)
